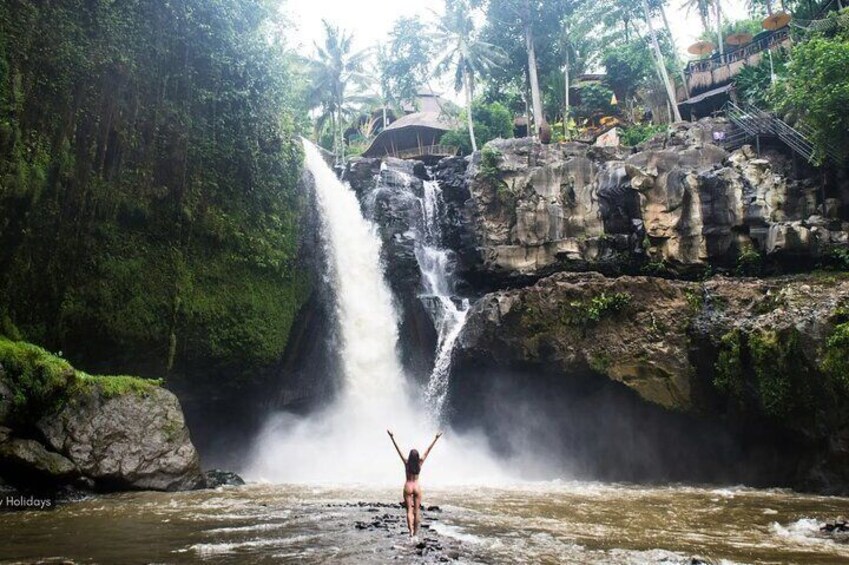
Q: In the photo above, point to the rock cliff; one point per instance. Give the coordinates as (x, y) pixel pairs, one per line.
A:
(523, 210)
(671, 338)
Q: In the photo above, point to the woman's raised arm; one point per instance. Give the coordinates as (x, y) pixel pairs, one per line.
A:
(398, 449)
(427, 451)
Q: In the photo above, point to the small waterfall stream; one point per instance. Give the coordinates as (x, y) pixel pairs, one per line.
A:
(447, 312)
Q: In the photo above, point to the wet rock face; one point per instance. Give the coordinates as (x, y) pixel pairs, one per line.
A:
(744, 351)
(126, 441)
(390, 192)
(528, 210)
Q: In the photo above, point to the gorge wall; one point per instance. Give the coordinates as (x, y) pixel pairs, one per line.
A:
(673, 312)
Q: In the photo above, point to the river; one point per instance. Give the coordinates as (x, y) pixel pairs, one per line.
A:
(549, 522)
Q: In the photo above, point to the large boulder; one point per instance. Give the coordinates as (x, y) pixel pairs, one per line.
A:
(127, 440)
(758, 355)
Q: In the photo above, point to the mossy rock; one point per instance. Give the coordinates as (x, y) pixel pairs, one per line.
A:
(40, 383)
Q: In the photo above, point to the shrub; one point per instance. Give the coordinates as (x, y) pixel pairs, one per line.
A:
(835, 363)
(638, 133)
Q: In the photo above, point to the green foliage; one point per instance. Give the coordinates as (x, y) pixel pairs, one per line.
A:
(337, 80)
(749, 262)
(754, 82)
(751, 26)
(695, 299)
(817, 90)
(781, 372)
(149, 159)
(595, 99)
(582, 315)
(404, 62)
(118, 385)
(768, 371)
(628, 67)
(836, 258)
(728, 370)
(490, 159)
(835, 362)
(604, 305)
(491, 121)
(638, 133)
(38, 380)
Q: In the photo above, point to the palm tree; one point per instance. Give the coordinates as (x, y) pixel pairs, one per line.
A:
(660, 64)
(703, 8)
(462, 54)
(676, 58)
(335, 72)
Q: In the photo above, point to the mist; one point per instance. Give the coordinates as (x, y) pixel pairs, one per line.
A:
(346, 441)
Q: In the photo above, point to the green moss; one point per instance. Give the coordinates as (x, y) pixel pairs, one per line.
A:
(728, 369)
(42, 383)
(835, 361)
(603, 305)
(38, 380)
(695, 299)
(599, 362)
(578, 314)
(119, 385)
(8, 329)
(784, 381)
(768, 372)
(655, 269)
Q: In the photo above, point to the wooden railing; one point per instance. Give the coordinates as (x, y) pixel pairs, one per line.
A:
(426, 151)
(707, 74)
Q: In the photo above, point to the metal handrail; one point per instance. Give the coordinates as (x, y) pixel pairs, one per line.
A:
(755, 121)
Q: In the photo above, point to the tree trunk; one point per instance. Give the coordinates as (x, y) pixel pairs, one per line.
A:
(467, 79)
(534, 80)
(719, 28)
(566, 99)
(661, 67)
(678, 63)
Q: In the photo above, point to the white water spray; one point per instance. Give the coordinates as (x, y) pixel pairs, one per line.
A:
(448, 315)
(347, 442)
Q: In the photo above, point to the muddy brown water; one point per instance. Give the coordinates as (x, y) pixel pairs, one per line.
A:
(585, 523)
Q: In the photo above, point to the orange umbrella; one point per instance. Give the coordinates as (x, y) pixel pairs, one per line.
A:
(776, 21)
(701, 48)
(738, 38)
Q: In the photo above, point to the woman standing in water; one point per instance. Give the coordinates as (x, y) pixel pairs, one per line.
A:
(412, 489)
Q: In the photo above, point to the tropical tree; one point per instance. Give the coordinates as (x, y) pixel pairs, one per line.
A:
(336, 83)
(530, 22)
(702, 7)
(463, 54)
(404, 62)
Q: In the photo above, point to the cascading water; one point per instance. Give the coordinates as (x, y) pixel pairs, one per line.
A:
(347, 442)
(448, 315)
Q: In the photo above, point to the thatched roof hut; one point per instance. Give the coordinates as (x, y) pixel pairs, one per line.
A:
(414, 136)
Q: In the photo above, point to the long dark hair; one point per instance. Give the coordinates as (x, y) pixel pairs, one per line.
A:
(414, 464)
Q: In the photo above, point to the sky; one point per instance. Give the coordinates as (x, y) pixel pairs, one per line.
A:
(370, 20)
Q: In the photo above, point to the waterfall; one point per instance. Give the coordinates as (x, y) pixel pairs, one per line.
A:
(346, 442)
(448, 315)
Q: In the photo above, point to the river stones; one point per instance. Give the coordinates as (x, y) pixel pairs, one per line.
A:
(218, 478)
